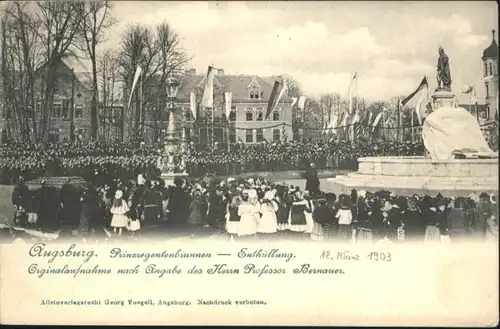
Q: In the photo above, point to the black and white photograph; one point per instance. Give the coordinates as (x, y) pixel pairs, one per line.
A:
(250, 124)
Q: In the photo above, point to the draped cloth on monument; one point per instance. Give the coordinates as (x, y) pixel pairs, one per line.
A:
(448, 130)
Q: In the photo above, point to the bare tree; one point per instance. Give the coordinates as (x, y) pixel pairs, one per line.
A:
(158, 52)
(96, 17)
(21, 50)
(60, 23)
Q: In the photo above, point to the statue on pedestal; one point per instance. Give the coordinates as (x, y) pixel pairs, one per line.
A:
(443, 72)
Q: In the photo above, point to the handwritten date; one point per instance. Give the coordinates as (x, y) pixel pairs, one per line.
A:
(347, 255)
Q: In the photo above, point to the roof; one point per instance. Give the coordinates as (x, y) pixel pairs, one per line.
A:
(237, 84)
(492, 50)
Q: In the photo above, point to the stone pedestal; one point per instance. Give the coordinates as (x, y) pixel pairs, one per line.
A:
(415, 174)
(169, 178)
(443, 98)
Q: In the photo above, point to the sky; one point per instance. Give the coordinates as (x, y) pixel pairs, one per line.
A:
(391, 45)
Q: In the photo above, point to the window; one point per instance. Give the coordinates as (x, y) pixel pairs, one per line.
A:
(276, 135)
(78, 111)
(187, 114)
(260, 114)
(485, 69)
(252, 95)
(260, 135)
(232, 135)
(66, 105)
(232, 115)
(249, 115)
(276, 116)
(487, 90)
(261, 94)
(188, 133)
(491, 69)
(57, 110)
(54, 135)
(249, 136)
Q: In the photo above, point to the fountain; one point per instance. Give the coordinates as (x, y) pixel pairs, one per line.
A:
(448, 132)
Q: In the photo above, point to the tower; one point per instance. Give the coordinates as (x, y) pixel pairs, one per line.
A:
(490, 68)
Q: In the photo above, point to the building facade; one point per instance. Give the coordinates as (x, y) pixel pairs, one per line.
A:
(72, 99)
(490, 65)
(245, 122)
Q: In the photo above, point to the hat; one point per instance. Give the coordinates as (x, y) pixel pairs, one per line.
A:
(362, 194)
(252, 193)
(268, 195)
(484, 195)
(493, 198)
(118, 194)
(443, 202)
(392, 195)
(140, 179)
(230, 179)
(387, 206)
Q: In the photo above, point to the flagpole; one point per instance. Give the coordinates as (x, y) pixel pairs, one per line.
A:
(412, 130)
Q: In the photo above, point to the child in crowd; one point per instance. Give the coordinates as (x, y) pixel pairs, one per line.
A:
(119, 210)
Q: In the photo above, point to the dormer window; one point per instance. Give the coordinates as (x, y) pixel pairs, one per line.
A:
(254, 89)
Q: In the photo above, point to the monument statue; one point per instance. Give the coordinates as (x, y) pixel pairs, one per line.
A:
(443, 72)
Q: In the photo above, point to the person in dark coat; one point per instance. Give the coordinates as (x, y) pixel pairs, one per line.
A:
(20, 199)
(458, 220)
(89, 219)
(178, 206)
(48, 209)
(312, 180)
(69, 200)
(216, 210)
(414, 222)
(442, 216)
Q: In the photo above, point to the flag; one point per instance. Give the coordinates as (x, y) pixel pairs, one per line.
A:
(229, 98)
(422, 86)
(301, 103)
(419, 108)
(137, 75)
(467, 89)
(208, 92)
(192, 102)
(283, 90)
(377, 119)
(273, 98)
(294, 101)
(350, 91)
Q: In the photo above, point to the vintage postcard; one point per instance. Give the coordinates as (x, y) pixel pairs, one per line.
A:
(249, 163)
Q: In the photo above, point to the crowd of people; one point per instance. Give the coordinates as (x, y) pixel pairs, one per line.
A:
(253, 208)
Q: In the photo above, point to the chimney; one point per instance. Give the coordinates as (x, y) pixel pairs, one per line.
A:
(220, 72)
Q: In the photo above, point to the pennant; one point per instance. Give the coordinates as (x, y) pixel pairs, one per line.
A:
(228, 96)
(208, 91)
(302, 102)
(350, 91)
(467, 89)
(192, 102)
(137, 75)
(273, 99)
(377, 119)
(283, 90)
(419, 109)
(422, 86)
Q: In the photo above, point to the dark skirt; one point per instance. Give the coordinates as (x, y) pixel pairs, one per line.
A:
(329, 231)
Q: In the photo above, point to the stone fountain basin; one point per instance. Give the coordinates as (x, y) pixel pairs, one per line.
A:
(420, 166)
(418, 174)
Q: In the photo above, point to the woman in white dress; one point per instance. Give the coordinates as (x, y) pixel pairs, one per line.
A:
(119, 210)
(268, 223)
(249, 214)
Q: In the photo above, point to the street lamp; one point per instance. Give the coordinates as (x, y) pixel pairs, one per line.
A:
(171, 139)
